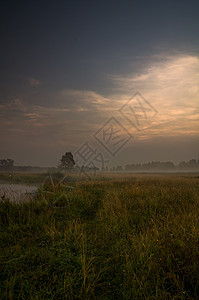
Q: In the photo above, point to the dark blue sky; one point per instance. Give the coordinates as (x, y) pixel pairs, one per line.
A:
(72, 44)
(80, 45)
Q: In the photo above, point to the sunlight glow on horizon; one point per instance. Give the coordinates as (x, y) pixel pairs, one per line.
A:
(171, 86)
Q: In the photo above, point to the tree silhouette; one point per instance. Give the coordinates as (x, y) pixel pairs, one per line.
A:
(6, 163)
(67, 161)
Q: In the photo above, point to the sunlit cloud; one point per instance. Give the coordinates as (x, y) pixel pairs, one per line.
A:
(82, 100)
(172, 86)
(70, 117)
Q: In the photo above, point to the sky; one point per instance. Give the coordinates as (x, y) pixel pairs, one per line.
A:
(114, 81)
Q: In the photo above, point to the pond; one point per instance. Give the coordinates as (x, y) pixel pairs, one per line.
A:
(16, 192)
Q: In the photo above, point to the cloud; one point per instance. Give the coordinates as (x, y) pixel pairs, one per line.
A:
(33, 82)
(84, 100)
(169, 84)
(42, 123)
(172, 86)
(15, 106)
(70, 117)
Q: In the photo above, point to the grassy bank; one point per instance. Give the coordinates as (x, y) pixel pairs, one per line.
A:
(28, 178)
(120, 238)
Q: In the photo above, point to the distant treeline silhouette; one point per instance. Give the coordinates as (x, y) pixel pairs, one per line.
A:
(7, 165)
(192, 164)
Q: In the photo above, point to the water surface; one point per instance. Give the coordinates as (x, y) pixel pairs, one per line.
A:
(17, 192)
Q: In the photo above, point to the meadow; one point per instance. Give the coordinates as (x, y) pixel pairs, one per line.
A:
(112, 237)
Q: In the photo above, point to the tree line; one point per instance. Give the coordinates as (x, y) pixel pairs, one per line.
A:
(192, 164)
(67, 163)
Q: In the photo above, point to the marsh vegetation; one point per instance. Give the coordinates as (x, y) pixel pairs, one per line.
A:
(114, 237)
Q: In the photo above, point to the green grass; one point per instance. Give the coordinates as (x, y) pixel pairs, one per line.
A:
(110, 238)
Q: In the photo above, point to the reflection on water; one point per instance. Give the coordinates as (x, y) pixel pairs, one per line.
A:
(17, 192)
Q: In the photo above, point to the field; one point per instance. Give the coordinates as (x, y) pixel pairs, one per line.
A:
(27, 178)
(113, 237)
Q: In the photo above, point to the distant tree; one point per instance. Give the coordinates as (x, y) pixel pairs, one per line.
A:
(182, 165)
(67, 162)
(6, 164)
(192, 164)
(119, 168)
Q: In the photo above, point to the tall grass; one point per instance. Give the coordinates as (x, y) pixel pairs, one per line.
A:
(124, 238)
